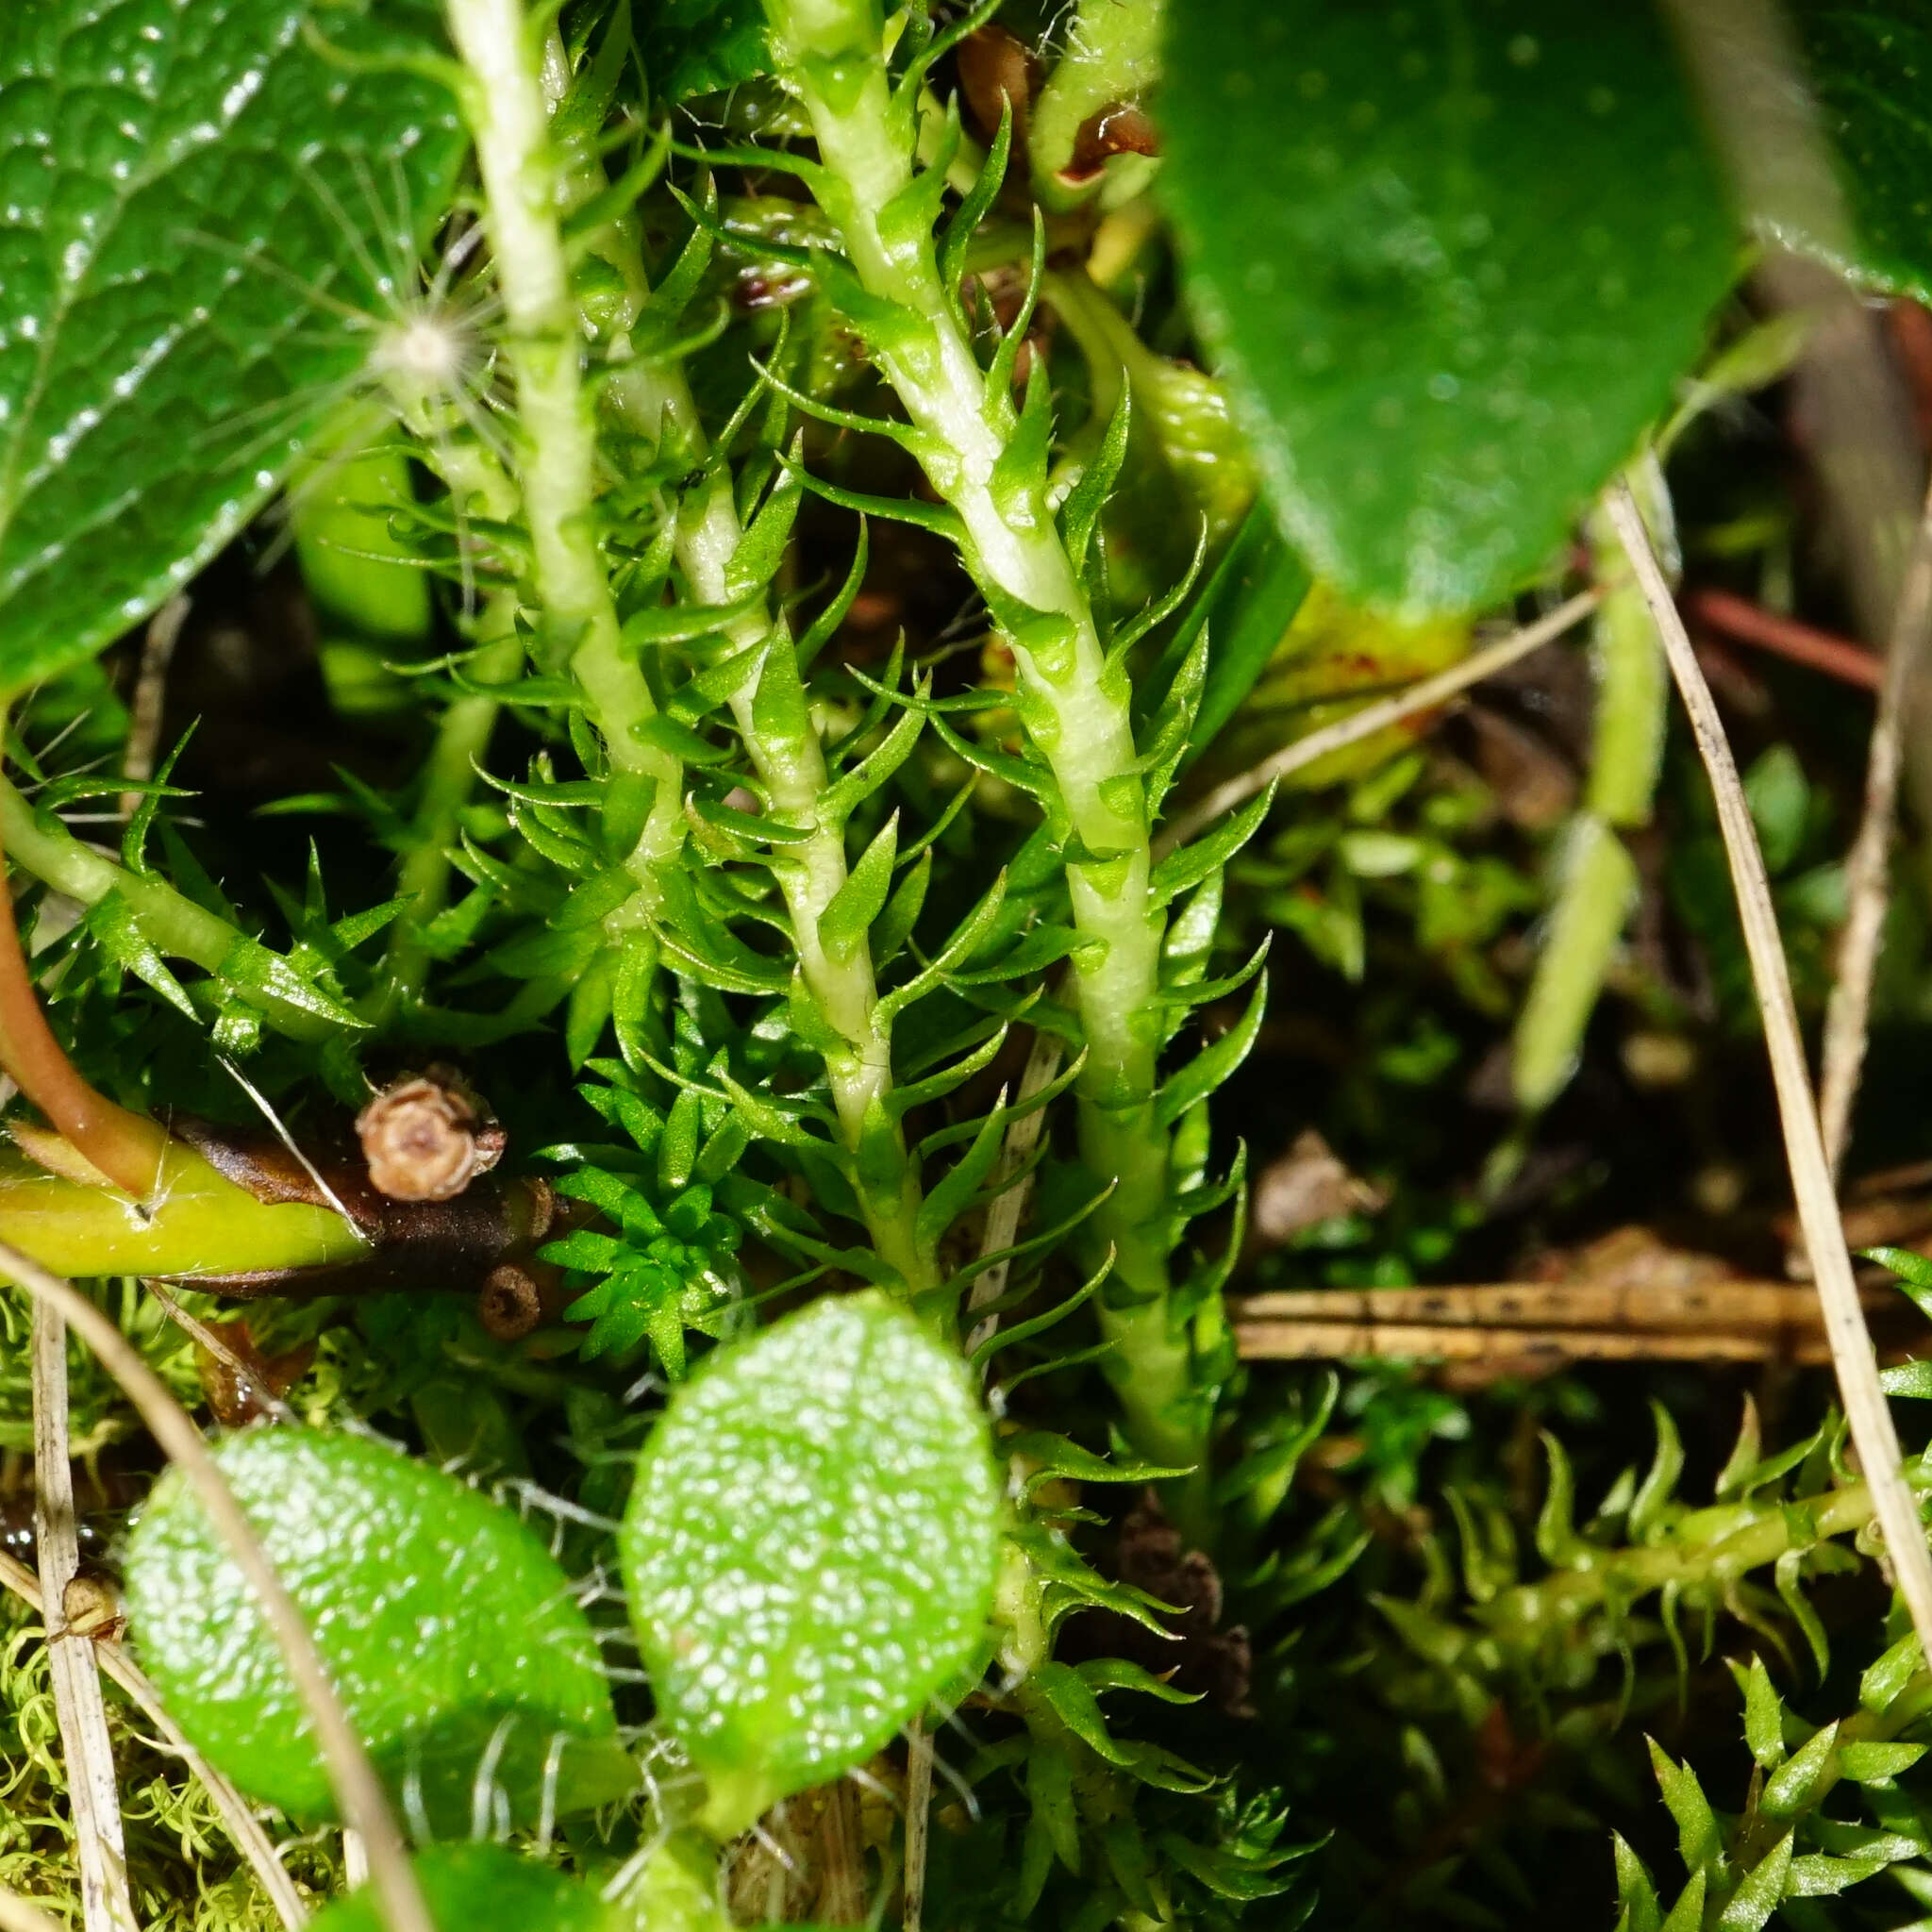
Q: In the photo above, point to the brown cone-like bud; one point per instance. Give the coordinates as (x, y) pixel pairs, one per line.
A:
(426, 1137)
(511, 1303)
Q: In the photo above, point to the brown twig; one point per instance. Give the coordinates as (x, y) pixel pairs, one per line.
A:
(841, 1879)
(1746, 623)
(243, 1827)
(1868, 866)
(918, 1820)
(1856, 1365)
(1579, 1321)
(357, 1790)
(107, 1904)
(1371, 719)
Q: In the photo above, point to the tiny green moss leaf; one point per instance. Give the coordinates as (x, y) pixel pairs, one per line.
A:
(195, 199)
(1453, 260)
(481, 1887)
(810, 1548)
(440, 1618)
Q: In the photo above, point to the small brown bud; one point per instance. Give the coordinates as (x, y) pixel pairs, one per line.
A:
(427, 1137)
(90, 1607)
(510, 1302)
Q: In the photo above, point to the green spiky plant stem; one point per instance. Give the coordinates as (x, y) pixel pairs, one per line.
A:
(968, 438)
(774, 717)
(1597, 882)
(503, 101)
(773, 714)
(174, 923)
(1708, 1548)
(449, 774)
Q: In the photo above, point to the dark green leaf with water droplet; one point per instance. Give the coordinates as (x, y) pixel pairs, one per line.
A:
(187, 195)
(1871, 71)
(1453, 259)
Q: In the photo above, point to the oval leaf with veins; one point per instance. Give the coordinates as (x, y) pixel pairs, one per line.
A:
(810, 1548)
(448, 1629)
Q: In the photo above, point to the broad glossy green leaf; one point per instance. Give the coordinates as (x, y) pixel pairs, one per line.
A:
(190, 197)
(1871, 64)
(481, 1887)
(1452, 260)
(809, 1548)
(447, 1627)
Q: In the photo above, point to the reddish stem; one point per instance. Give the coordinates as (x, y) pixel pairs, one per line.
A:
(127, 1147)
(1803, 643)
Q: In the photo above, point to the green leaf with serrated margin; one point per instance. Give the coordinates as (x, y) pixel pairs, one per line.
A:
(1763, 1716)
(1636, 1894)
(1208, 854)
(1076, 1706)
(1914, 1271)
(115, 926)
(1119, 1674)
(872, 771)
(1697, 1834)
(1888, 1674)
(1056, 1455)
(191, 192)
(1870, 1763)
(1452, 260)
(1687, 1915)
(1245, 608)
(1214, 1064)
(849, 914)
(952, 1194)
(1816, 1876)
(810, 1548)
(1760, 1893)
(1912, 1379)
(1797, 1784)
(387, 1558)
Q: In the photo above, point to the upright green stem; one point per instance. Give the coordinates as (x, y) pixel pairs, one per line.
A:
(449, 774)
(774, 718)
(791, 762)
(1597, 882)
(832, 52)
(508, 119)
(477, 482)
